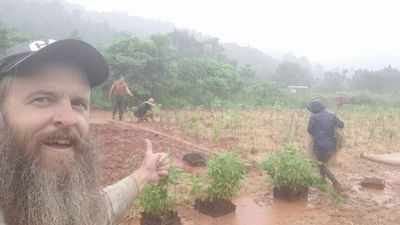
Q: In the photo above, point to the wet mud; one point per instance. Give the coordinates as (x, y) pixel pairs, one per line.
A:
(124, 146)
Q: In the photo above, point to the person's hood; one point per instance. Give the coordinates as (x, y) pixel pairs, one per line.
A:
(316, 106)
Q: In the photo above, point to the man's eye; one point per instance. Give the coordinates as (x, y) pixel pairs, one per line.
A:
(42, 100)
(81, 105)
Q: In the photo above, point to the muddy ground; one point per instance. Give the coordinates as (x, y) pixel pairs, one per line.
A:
(123, 141)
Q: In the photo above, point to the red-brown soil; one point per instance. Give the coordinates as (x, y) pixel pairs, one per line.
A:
(123, 142)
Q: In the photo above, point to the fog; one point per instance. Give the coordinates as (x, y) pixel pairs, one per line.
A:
(361, 34)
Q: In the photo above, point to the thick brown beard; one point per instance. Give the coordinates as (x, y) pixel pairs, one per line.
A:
(32, 194)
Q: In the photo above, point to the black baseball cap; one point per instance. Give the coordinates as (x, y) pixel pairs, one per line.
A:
(71, 50)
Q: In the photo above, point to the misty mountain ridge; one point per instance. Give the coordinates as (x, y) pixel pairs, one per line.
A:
(59, 19)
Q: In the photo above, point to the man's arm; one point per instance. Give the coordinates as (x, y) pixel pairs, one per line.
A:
(111, 90)
(128, 91)
(120, 196)
(339, 122)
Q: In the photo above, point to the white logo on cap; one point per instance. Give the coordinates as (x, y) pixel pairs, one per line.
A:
(37, 45)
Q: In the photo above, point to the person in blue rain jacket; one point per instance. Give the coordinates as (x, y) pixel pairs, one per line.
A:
(322, 127)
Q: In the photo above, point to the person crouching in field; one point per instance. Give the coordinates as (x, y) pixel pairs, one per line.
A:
(321, 127)
(144, 111)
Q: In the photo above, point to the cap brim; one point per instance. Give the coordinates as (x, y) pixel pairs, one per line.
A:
(71, 50)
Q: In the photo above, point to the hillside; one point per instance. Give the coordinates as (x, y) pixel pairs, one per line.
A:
(263, 64)
(60, 19)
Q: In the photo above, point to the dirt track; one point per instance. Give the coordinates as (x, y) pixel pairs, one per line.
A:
(255, 206)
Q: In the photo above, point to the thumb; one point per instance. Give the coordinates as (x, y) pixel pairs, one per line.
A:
(149, 147)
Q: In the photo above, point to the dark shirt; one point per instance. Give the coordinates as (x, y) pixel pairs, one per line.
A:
(322, 126)
(142, 109)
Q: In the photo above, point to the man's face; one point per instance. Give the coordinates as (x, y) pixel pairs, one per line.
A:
(48, 161)
(51, 105)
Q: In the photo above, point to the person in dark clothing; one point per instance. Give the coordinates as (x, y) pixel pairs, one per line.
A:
(143, 111)
(321, 127)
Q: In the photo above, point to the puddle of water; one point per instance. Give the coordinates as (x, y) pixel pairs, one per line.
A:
(249, 212)
(380, 197)
(252, 212)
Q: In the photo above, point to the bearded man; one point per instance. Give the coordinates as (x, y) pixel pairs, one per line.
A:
(48, 160)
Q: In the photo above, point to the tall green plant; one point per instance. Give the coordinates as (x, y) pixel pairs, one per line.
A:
(290, 169)
(225, 172)
(157, 199)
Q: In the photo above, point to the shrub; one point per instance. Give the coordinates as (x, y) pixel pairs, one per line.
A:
(288, 168)
(225, 171)
(291, 170)
(157, 199)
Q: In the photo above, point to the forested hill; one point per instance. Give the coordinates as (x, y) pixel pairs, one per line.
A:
(263, 64)
(60, 19)
(181, 67)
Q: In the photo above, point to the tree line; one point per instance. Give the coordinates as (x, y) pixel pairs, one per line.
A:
(179, 70)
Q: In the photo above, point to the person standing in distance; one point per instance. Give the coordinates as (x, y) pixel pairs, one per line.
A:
(340, 101)
(116, 96)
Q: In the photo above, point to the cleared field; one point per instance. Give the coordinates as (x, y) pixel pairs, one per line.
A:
(256, 133)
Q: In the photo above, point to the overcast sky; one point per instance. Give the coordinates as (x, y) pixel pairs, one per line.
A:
(323, 31)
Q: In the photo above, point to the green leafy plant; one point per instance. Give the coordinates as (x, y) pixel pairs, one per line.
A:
(157, 199)
(290, 170)
(225, 171)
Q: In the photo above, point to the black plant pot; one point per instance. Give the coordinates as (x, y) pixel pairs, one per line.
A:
(170, 218)
(214, 208)
(287, 194)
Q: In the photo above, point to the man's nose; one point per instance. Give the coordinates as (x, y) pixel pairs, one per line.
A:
(65, 115)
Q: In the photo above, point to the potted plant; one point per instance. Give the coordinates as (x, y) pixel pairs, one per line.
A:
(158, 201)
(291, 174)
(215, 192)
